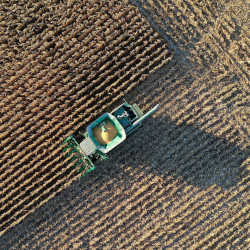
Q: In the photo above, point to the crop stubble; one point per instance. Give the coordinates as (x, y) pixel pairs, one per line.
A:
(61, 67)
(183, 184)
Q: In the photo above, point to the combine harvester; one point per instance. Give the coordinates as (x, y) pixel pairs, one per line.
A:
(104, 134)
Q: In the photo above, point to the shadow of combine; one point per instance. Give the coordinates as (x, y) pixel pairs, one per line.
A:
(185, 151)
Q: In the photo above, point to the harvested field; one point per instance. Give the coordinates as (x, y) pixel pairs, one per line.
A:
(66, 68)
(182, 182)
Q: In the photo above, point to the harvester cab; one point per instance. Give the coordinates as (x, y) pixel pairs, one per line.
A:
(104, 134)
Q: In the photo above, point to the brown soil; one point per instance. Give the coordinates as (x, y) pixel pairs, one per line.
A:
(180, 182)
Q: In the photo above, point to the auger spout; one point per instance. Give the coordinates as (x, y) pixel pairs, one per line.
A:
(145, 116)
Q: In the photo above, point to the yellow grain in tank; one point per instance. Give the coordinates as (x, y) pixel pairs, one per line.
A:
(105, 137)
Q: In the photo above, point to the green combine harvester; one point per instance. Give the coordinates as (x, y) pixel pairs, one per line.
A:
(104, 134)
